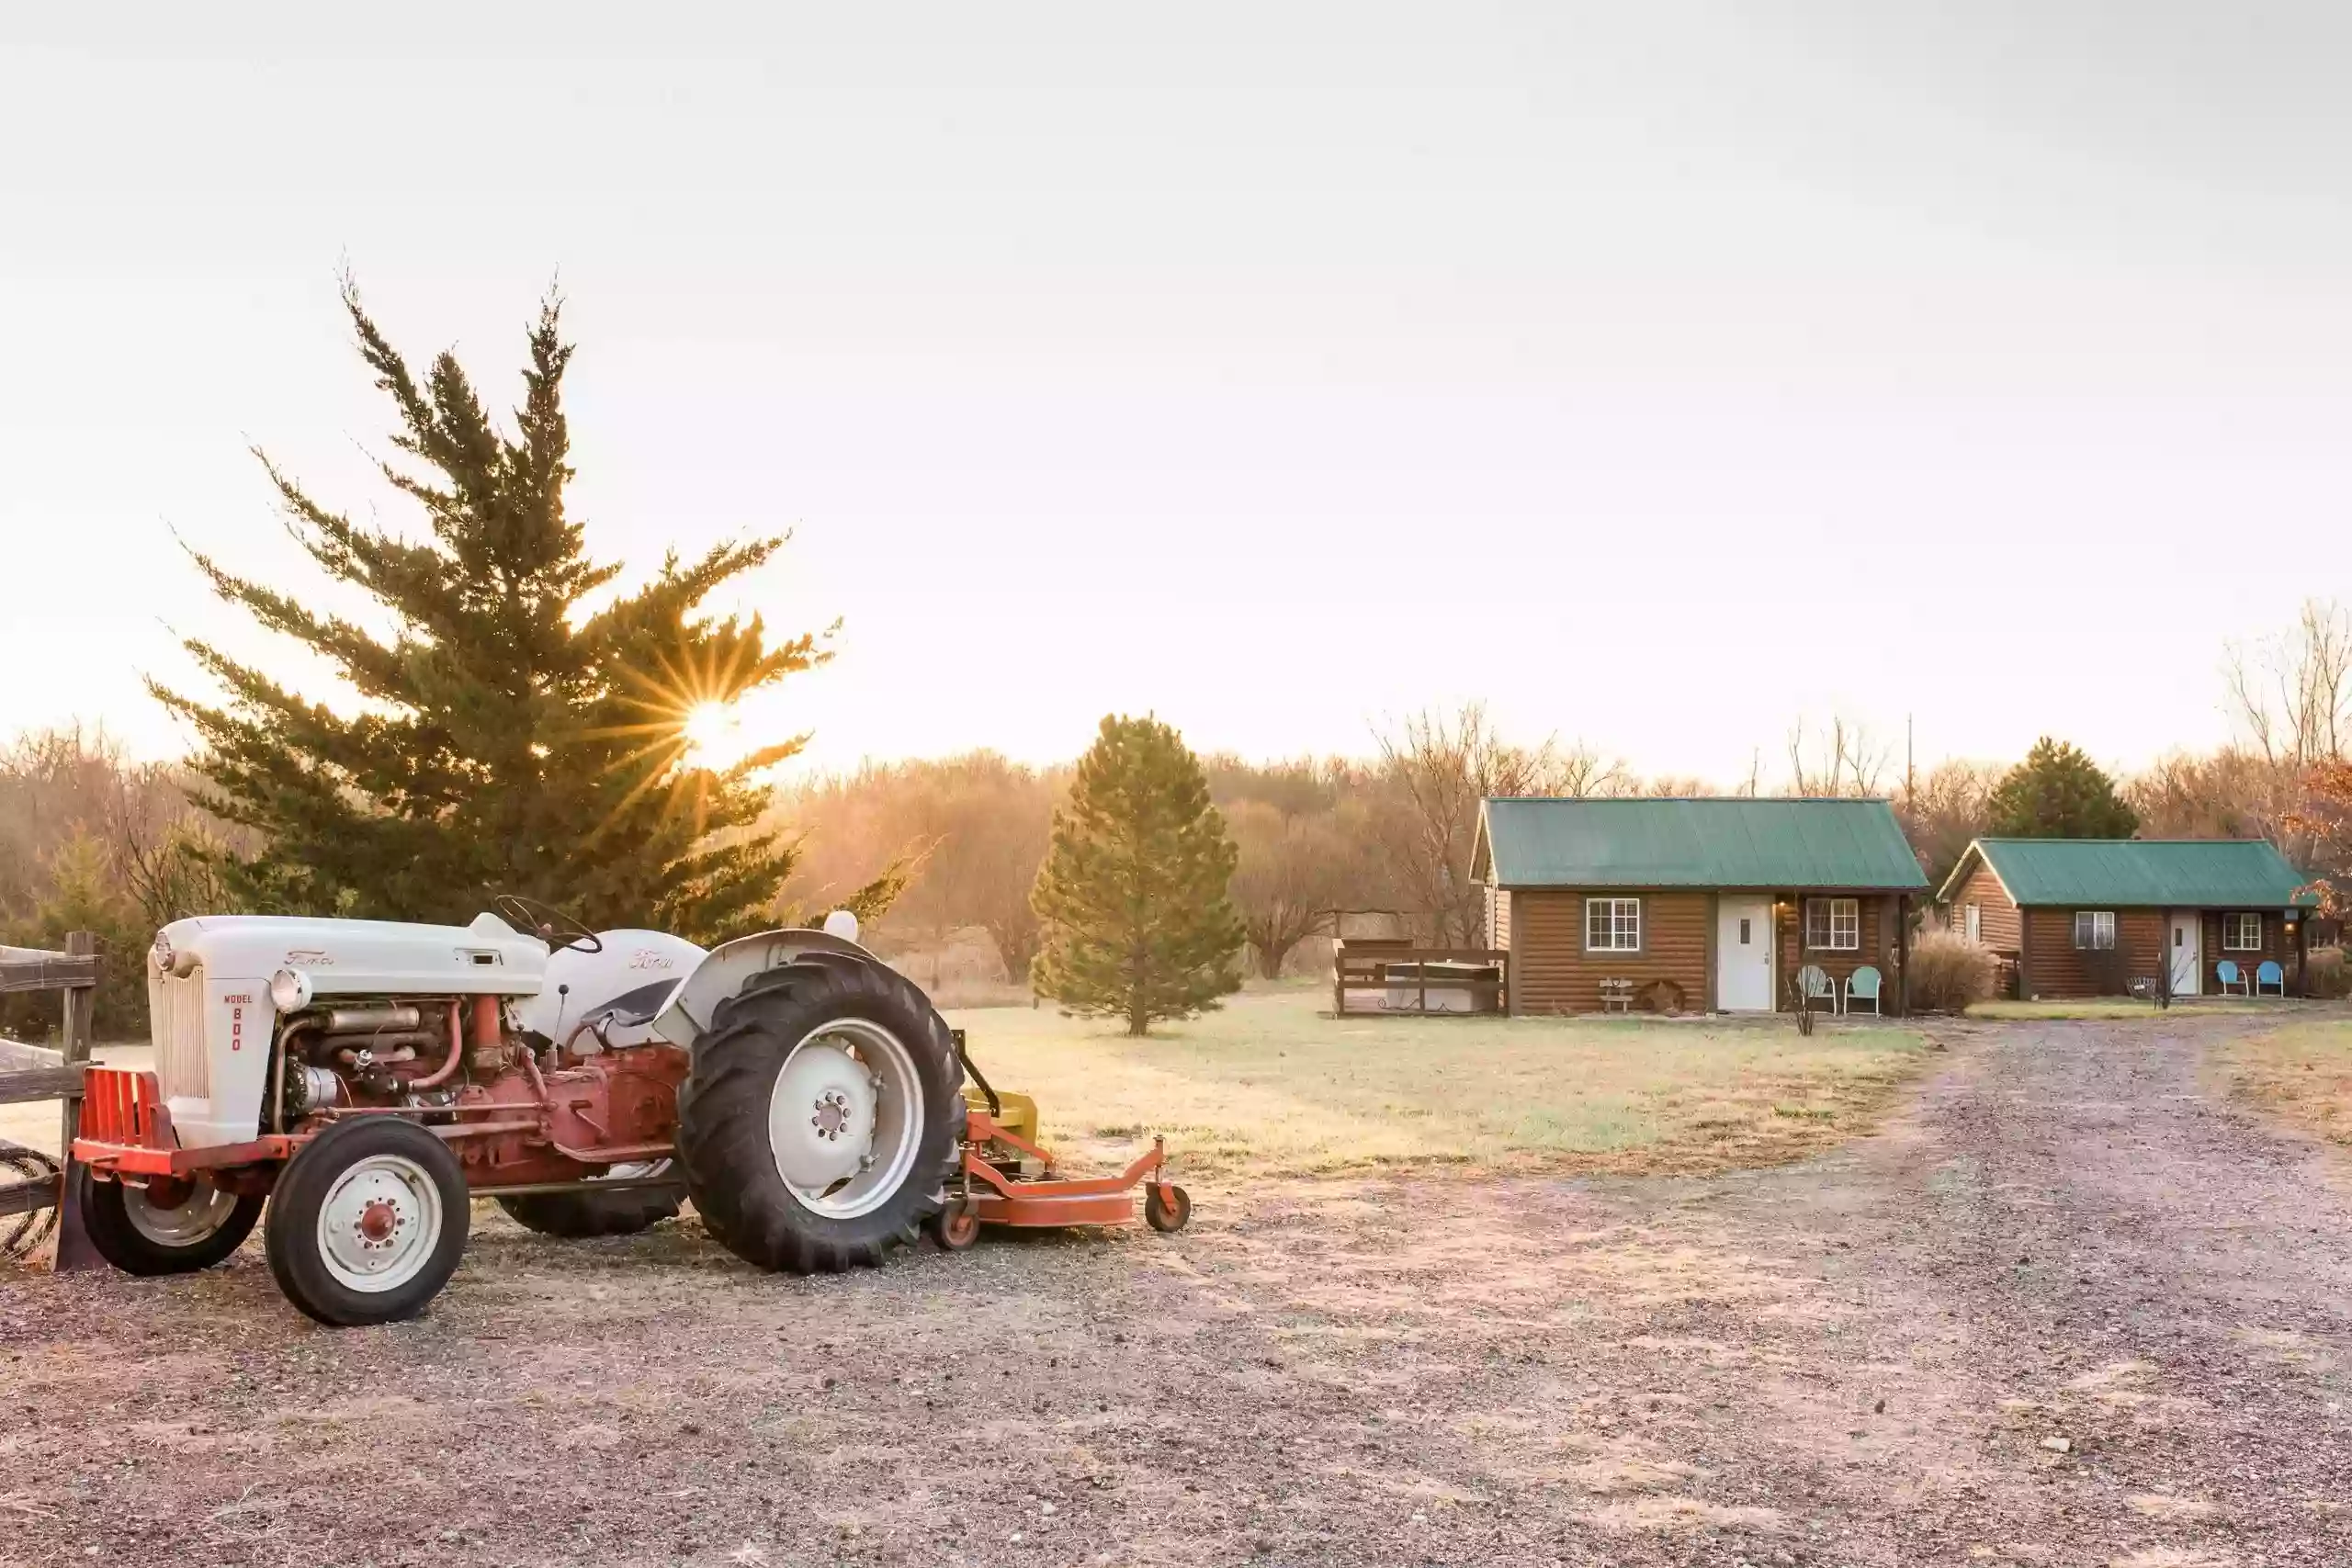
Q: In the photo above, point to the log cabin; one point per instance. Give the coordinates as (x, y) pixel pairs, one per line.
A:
(2106, 917)
(1707, 905)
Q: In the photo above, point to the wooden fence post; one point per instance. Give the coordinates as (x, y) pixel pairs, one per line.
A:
(80, 1003)
(73, 1250)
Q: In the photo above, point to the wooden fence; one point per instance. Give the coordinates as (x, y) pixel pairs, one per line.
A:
(31, 1073)
(1437, 980)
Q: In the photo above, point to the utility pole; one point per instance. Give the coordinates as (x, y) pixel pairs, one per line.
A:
(1910, 767)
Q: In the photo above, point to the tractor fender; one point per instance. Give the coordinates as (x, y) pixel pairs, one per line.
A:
(722, 972)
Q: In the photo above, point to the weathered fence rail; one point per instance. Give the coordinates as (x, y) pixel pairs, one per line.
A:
(33, 1073)
(1385, 976)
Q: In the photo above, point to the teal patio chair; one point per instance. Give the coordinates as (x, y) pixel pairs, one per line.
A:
(1862, 985)
(1813, 984)
(2232, 978)
(2268, 972)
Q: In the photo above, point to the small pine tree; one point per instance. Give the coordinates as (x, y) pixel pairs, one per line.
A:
(2058, 792)
(82, 896)
(511, 734)
(1132, 891)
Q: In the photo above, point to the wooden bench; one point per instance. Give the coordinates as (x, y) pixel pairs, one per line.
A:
(1617, 996)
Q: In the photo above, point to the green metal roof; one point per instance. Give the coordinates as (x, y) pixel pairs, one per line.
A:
(2197, 874)
(1545, 843)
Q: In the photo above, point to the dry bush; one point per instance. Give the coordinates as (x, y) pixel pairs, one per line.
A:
(2330, 976)
(1947, 972)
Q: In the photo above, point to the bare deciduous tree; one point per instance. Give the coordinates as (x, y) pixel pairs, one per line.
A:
(2292, 693)
(2232, 794)
(1294, 872)
(1581, 770)
(1434, 769)
(1668, 786)
(964, 835)
(1946, 813)
(1844, 761)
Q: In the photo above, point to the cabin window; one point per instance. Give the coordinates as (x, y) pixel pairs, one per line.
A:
(1612, 925)
(1972, 922)
(2095, 929)
(2241, 932)
(1833, 925)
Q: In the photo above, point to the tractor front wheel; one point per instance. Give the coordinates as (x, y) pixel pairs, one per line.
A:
(159, 1230)
(368, 1222)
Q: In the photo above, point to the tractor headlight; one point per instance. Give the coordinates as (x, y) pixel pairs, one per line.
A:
(162, 953)
(289, 990)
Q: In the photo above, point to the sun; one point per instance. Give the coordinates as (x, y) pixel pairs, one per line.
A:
(714, 737)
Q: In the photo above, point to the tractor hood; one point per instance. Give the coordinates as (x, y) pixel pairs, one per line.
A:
(357, 957)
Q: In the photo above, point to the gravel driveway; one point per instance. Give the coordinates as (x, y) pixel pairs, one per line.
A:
(1871, 1360)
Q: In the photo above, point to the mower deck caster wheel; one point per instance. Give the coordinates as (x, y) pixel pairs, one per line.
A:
(956, 1228)
(1166, 1218)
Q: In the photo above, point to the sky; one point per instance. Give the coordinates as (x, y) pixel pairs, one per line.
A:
(1656, 374)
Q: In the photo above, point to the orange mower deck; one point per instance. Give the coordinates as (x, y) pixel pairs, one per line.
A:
(993, 1196)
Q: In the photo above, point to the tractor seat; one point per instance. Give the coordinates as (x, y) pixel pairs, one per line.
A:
(632, 1010)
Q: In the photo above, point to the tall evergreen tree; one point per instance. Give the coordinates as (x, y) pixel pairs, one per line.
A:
(2058, 792)
(505, 736)
(1132, 891)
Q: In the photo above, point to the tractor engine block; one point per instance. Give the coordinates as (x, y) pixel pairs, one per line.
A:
(534, 1112)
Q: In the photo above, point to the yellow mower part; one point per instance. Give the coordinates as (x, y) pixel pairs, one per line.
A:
(1018, 1115)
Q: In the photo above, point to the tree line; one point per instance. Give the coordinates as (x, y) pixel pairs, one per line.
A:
(935, 849)
(516, 716)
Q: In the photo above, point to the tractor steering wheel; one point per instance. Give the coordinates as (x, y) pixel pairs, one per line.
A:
(545, 921)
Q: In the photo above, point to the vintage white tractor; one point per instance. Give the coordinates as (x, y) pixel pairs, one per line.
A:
(368, 1079)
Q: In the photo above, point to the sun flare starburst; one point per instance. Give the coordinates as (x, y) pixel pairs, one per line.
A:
(714, 737)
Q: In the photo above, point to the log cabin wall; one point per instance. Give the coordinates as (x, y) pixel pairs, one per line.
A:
(1877, 948)
(1998, 926)
(2058, 970)
(1553, 972)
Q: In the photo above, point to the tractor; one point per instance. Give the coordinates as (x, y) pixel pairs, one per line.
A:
(367, 1079)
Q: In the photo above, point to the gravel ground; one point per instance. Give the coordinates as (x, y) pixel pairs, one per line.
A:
(1868, 1359)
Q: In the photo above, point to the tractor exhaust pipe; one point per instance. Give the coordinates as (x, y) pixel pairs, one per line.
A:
(447, 1069)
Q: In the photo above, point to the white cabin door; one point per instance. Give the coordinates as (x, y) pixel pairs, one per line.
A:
(1744, 955)
(2187, 956)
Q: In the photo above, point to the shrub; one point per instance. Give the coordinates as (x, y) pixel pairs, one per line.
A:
(2330, 975)
(1947, 972)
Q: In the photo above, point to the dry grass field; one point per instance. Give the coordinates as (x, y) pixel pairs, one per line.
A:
(2107, 1009)
(1268, 1087)
(2302, 1073)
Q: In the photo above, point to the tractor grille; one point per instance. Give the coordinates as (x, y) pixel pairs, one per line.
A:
(175, 1008)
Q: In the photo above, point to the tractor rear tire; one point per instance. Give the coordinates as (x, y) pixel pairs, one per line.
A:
(368, 1222)
(821, 1115)
(140, 1237)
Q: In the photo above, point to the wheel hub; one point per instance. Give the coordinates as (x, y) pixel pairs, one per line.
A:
(178, 1214)
(845, 1118)
(832, 1115)
(379, 1223)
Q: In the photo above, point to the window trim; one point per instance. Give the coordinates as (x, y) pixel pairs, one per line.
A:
(2094, 944)
(1853, 908)
(1641, 924)
(2229, 919)
(1971, 923)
